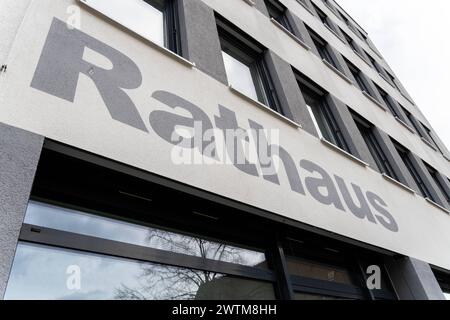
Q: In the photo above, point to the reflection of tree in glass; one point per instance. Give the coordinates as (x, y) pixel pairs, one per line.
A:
(192, 246)
(159, 282)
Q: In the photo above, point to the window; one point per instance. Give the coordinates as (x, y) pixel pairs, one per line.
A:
(350, 41)
(83, 223)
(388, 102)
(357, 74)
(322, 271)
(323, 119)
(367, 131)
(440, 184)
(322, 16)
(430, 138)
(392, 80)
(131, 239)
(330, 6)
(322, 47)
(375, 63)
(341, 16)
(277, 11)
(245, 66)
(405, 156)
(361, 34)
(443, 279)
(424, 132)
(155, 20)
(346, 20)
(126, 261)
(413, 121)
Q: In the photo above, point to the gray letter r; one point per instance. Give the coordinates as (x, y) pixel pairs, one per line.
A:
(61, 62)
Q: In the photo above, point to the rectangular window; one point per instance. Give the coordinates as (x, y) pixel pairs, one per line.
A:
(75, 221)
(322, 271)
(277, 11)
(324, 121)
(322, 47)
(375, 63)
(392, 80)
(331, 7)
(362, 35)
(430, 138)
(245, 66)
(366, 129)
(346, 20)
(155, 20)
(341, 15)
(405, 156)
(388, 102)
(350, 41)
(435, 175)
(111, 278)
(357, 74)
(351, 26)
(444, 282)
(322, 16)
(123, 261)
(412, 120)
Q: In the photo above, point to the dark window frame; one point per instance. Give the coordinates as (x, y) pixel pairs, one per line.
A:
(430, 138)
(385, 96)
(358, 75)
(322, 47)
(172, 37)
(375, 149)
(435, 175)
(332, 132)
(322, 16)
(278, 12)
(246, 50)
(391, 80)
(351, 42)
(414, 171)
(413, 121)
(374, 63)
(443, 278)
(333, 256)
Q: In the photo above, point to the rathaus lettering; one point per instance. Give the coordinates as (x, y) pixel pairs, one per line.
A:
(62, 62)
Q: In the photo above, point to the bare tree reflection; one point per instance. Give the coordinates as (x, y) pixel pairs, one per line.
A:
(159, 282)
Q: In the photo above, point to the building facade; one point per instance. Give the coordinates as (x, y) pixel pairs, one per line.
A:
(208, 149)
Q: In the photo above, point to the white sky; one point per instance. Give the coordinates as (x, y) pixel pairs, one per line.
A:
(414, 38)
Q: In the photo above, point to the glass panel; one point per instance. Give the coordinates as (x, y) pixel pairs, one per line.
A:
(136, 15)
(308, 297)
(41, 272)
(308, 269)
(58, 218)
(239, 76)
(323, 129)
(314, 119)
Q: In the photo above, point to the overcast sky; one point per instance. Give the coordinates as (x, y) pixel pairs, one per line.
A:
(414, 38)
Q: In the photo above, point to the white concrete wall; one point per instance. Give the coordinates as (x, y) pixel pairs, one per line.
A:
(85, 123)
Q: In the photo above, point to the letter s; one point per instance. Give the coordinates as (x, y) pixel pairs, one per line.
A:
(386, 219)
